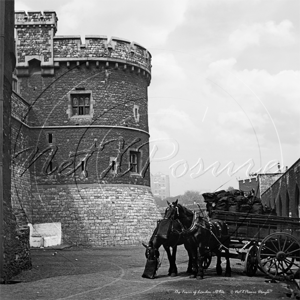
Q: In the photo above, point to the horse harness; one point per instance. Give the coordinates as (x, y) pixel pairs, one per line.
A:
(211, 226)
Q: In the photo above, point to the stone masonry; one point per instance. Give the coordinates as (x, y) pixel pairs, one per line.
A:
(284, 193)
(86, 167)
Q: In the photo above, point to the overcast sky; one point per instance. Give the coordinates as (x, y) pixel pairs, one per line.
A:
(225, 82)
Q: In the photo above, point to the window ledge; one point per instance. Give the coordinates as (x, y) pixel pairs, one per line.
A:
(81, 117)
(136, 174)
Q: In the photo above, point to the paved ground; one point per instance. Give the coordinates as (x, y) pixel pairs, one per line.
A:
(115, 273)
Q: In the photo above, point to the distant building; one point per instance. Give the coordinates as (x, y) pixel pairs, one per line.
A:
(284, 194)
(160, 185)
(259, 183)
(279, 191)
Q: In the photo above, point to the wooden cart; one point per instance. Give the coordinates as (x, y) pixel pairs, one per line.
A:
(268, 242)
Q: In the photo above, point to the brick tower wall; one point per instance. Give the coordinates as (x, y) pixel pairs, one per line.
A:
(80, 165)
(21, 178)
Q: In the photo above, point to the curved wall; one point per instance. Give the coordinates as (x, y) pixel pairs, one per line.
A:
(89, 167)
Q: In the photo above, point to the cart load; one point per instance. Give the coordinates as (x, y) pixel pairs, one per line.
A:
(260, 237)
(236, 201)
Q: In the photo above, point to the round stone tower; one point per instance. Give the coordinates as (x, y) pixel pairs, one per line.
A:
(87, 123)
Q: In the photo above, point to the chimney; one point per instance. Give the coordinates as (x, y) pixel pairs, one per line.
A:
(279, 171)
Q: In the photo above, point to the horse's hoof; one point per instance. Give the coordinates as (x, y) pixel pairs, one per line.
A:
(192, 276)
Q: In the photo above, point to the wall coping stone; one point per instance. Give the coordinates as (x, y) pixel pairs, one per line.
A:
(67, 37)
(102, 37)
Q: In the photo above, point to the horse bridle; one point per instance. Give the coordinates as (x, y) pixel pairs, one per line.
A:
(176, 214)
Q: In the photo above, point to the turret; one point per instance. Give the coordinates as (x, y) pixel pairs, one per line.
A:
(36, 40)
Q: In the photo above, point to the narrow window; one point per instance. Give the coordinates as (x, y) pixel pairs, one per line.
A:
(134, 161)
(113, 165)
(136, 114)
(50, 138)
(82, 166)
(50, 166)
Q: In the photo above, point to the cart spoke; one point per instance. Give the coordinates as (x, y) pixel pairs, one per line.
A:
(287, 261)
(270, 249)
(290, 245)
(278, 240)
(274, 246)
(294, 256)
(284, 244)
(296, 264)
(279, 254)
(282, 267)
(288, 253)
(268, 254)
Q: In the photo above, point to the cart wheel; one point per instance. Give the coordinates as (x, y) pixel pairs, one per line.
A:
(207, 260)
(250, 265)
(279, 255)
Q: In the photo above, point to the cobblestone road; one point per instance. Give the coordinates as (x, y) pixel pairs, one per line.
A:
(115, 273)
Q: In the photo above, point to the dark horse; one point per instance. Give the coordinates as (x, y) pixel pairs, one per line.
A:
(206, 236)
(169, 234)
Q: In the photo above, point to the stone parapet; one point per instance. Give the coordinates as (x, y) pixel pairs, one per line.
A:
(99, 48)
(35, 39)
(36, 18)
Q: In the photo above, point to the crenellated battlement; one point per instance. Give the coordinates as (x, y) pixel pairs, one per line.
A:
(101, 48)
(35, 39)
(34, 18)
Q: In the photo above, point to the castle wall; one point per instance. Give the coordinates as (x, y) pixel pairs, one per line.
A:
(89, 171)
(266, 180)
(284, 193)
(94, 147)
(99, 214)
(114, 92)
(247, 185)
(20, 176)
(96, 47)
(259, 184)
